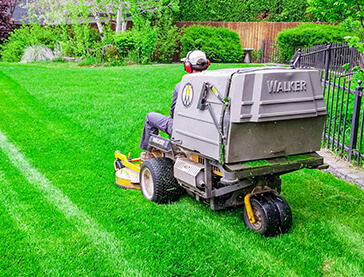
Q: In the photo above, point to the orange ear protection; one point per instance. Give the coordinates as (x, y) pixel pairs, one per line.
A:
(189, 67)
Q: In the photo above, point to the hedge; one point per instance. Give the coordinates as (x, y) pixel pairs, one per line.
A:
(219, 44)
(244, 10)
(308, 34)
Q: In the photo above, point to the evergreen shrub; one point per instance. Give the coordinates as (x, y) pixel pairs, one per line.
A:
(308, 34)
(244, 10)
(220, 44)
(214, 10)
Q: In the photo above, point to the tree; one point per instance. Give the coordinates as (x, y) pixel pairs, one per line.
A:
(79, 11)
(345, 11)
(7, 8)
(70, 11)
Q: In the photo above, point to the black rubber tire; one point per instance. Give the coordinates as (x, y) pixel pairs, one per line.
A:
(157, 182)
(266, 215)
(285, 213)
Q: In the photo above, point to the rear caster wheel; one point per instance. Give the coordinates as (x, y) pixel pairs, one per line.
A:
(266, 216)
(285, 213)
(272, 214)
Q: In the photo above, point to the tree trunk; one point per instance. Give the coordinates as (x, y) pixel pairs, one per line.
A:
(120, 18)
(99, 26)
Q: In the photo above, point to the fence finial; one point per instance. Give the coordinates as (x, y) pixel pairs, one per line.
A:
(359, 88)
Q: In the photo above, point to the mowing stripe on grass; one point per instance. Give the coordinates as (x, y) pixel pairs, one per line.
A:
(102, 239)
(8, 198)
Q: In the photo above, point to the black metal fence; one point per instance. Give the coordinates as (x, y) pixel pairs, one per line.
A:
(270, 53)
(343, 94)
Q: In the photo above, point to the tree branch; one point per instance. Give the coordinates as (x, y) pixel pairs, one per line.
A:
(350, 25)
(361, 18)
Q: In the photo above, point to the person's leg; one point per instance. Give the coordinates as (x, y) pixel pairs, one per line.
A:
(153, 123)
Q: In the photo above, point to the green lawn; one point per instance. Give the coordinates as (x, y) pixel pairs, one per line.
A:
(61, 213)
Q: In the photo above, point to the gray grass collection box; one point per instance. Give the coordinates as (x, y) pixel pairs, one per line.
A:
(236, 115)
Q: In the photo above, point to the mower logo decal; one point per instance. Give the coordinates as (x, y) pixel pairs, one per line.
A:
(158, 140)
(275, 86)
(187, 95)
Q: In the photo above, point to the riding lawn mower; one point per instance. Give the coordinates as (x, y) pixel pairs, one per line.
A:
(235, 132)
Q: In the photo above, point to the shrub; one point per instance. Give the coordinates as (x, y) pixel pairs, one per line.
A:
(244, 10)
(82, 41)
(214, 10)
(156, 43)
(167, 43)
(308, 34)
(124, 42)
(144, 43)
(37, 53)
(29, 35)
(219, 44)
(255, 56)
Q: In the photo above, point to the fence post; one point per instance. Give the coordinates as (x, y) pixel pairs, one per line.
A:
(327, 64)
(326, 76)
(296, 61)
(355, 120)
(262, 53)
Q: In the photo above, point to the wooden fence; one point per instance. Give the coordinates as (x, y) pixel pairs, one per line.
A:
(251, 33)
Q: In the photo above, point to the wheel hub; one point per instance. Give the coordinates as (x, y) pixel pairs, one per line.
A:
(147, 183)
(258, 219)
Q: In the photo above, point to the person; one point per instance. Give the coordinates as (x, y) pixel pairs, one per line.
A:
(194, 62)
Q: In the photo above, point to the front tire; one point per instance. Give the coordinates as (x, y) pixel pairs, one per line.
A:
(157, 181)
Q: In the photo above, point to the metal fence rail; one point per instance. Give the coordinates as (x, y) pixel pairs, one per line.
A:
(343, 93)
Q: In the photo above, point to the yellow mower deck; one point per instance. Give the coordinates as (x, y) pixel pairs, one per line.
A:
(128, 176)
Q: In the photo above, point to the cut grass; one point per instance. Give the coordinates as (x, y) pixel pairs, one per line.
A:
(62, 214)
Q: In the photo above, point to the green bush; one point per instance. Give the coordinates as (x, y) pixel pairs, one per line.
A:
(156, 43)
(214, 10)
(124, 42)
(280, 10)
(244, 10)
(219, 44)
(144, 40)
(308, 34)
(79, 40)
(29, 35)
(167, 43)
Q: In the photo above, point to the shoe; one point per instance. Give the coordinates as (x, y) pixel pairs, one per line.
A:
(146, 156)
(143, 156)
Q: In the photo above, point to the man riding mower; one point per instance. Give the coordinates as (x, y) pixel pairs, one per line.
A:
(234, 132)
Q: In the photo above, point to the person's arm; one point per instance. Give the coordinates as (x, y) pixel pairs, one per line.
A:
(174, 99)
